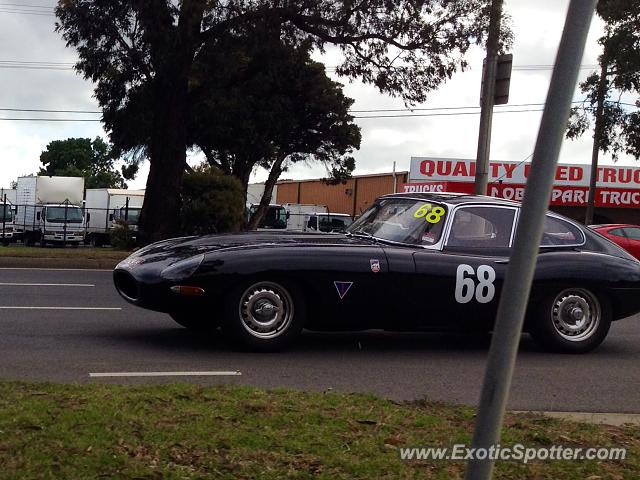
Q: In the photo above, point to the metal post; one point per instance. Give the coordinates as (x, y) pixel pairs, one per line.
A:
(126, 211)
(487, 100)
(4, 215)
(515, 291)
(64, 226)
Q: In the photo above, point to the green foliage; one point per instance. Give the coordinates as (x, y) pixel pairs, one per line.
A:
(619, 123)
(82, 157)
(259, 100)
(122, 237)
(211, 202)
(143, 58)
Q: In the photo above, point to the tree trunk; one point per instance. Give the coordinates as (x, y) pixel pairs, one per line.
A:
(274, 174)
(160, 215)
(597, 136)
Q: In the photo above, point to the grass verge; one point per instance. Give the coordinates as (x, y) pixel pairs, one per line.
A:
(187, 431)
(58, 252)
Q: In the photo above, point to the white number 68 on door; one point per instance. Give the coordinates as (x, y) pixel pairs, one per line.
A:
(466, 287)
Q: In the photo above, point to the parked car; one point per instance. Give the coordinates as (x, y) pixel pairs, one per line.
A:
(627, 236)
(418, 261)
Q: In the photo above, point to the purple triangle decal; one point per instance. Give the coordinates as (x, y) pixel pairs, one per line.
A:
(343, 288)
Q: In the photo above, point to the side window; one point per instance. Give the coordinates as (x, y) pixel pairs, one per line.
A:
(617, 232)
(632, 233)
(477, 227)
(312, 222)
(559, 232)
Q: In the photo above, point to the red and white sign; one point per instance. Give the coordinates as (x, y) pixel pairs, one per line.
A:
(425, 169)
(616, 186)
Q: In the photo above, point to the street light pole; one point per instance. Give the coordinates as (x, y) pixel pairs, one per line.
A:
(487, 99)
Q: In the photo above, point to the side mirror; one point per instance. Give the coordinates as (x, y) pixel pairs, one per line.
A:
(38, 216)
(288, 215)
(88, 217)
(111, 217)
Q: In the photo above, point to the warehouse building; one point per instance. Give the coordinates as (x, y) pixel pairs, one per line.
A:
(352, 196)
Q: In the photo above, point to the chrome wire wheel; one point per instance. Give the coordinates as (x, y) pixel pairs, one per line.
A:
(266, 310)
(576, 314)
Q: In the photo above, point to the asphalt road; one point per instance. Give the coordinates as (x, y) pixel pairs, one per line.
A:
(101, 334)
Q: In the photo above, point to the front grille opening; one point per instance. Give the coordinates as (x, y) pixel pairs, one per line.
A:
(126, 285)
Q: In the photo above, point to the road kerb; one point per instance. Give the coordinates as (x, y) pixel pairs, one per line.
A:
(598, 418)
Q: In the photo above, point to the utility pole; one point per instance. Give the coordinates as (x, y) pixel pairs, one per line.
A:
(597, 135)
(487, 99)
(522, 262)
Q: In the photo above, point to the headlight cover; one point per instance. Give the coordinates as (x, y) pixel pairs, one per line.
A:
(182, 269)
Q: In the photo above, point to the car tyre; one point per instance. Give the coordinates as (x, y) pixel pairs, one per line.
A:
(264, 315)
(572, 320)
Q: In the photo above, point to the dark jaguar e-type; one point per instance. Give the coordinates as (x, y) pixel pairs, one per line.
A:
(410, 262)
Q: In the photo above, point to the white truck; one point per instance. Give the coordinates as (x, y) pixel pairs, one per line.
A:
(109, 208)
(297, 214)
(7, 209)
(327, 222)
(50, 210)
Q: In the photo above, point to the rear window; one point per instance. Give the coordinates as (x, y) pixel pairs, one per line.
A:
(617, 232)
(632, 233)
(478, 227)
(561, 233)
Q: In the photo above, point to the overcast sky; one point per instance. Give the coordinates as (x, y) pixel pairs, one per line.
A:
(28, 36)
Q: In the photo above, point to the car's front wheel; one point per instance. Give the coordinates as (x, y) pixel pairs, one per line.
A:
(573, 320)
(264, 315)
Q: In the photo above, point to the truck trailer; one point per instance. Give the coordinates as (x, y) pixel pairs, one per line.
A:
(49, 210)
(109, 208)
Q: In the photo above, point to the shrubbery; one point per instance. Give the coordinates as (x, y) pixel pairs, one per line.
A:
(122, 237)
(211, 202)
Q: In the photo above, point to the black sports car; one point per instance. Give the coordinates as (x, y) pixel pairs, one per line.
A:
(410, 262)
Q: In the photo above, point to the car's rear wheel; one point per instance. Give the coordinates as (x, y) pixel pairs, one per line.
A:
(264, 315)
(573, 320)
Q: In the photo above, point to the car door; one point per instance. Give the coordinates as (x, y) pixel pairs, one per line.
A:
(633, 243)
(459, 285)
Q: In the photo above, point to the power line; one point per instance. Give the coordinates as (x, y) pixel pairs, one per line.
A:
(47, 111)
(448, 114)
(40, 13)
(50, 119)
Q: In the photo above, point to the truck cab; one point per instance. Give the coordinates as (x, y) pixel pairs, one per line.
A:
(58, 223)
(7, 233)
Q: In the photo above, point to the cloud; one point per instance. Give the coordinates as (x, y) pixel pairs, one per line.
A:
(537, 27)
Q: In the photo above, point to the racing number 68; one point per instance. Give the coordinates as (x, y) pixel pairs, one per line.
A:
(466, 288)
(430, 214)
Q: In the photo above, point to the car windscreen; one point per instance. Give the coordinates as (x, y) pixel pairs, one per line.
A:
(6, 213)
(59, 214)
(402, 220)
(132, 215)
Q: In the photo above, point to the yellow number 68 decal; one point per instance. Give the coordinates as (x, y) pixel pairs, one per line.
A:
(430, 214)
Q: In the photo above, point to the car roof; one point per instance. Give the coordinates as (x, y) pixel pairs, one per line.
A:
(453, 198)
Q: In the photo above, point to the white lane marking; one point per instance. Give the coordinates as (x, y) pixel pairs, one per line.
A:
(60, 308)
(47, 285)
(59, 269)
(167, 374)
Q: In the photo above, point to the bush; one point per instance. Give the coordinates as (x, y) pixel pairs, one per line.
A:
(122, 237)
(211, 202)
